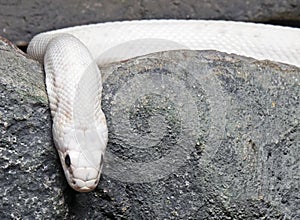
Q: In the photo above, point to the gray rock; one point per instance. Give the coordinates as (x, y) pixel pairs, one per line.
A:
(192, 134)
(21, 20)
(31, 177)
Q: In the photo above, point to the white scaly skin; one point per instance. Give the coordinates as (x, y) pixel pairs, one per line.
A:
(74, 82)
(79, 128)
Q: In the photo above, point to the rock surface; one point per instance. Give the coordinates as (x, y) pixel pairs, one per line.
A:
(21, 20)
(192, 135)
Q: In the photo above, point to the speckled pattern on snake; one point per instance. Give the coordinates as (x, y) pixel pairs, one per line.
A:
(70, 57)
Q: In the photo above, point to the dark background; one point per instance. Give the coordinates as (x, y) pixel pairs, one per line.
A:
(20, 20)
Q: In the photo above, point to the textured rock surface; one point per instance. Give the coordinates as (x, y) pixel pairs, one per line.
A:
(29, 165)
(21, 20)
(192, 135)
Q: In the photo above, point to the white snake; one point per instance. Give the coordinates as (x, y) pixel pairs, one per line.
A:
(74, 82)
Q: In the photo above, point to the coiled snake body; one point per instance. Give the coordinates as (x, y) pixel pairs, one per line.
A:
(70, 57)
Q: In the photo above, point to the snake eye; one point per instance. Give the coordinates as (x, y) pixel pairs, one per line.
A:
(68, 160)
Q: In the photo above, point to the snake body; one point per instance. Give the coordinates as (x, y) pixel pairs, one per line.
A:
(71, 55)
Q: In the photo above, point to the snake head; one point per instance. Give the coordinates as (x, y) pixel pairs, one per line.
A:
(82, 158)
(81, 175)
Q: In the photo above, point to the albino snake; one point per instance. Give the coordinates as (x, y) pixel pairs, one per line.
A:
(70, 57)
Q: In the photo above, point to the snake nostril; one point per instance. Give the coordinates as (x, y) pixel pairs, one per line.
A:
(68, 160)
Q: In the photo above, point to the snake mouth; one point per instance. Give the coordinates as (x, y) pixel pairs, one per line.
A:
(84, 189)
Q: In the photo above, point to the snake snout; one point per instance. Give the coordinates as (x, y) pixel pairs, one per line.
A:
(85, 179)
